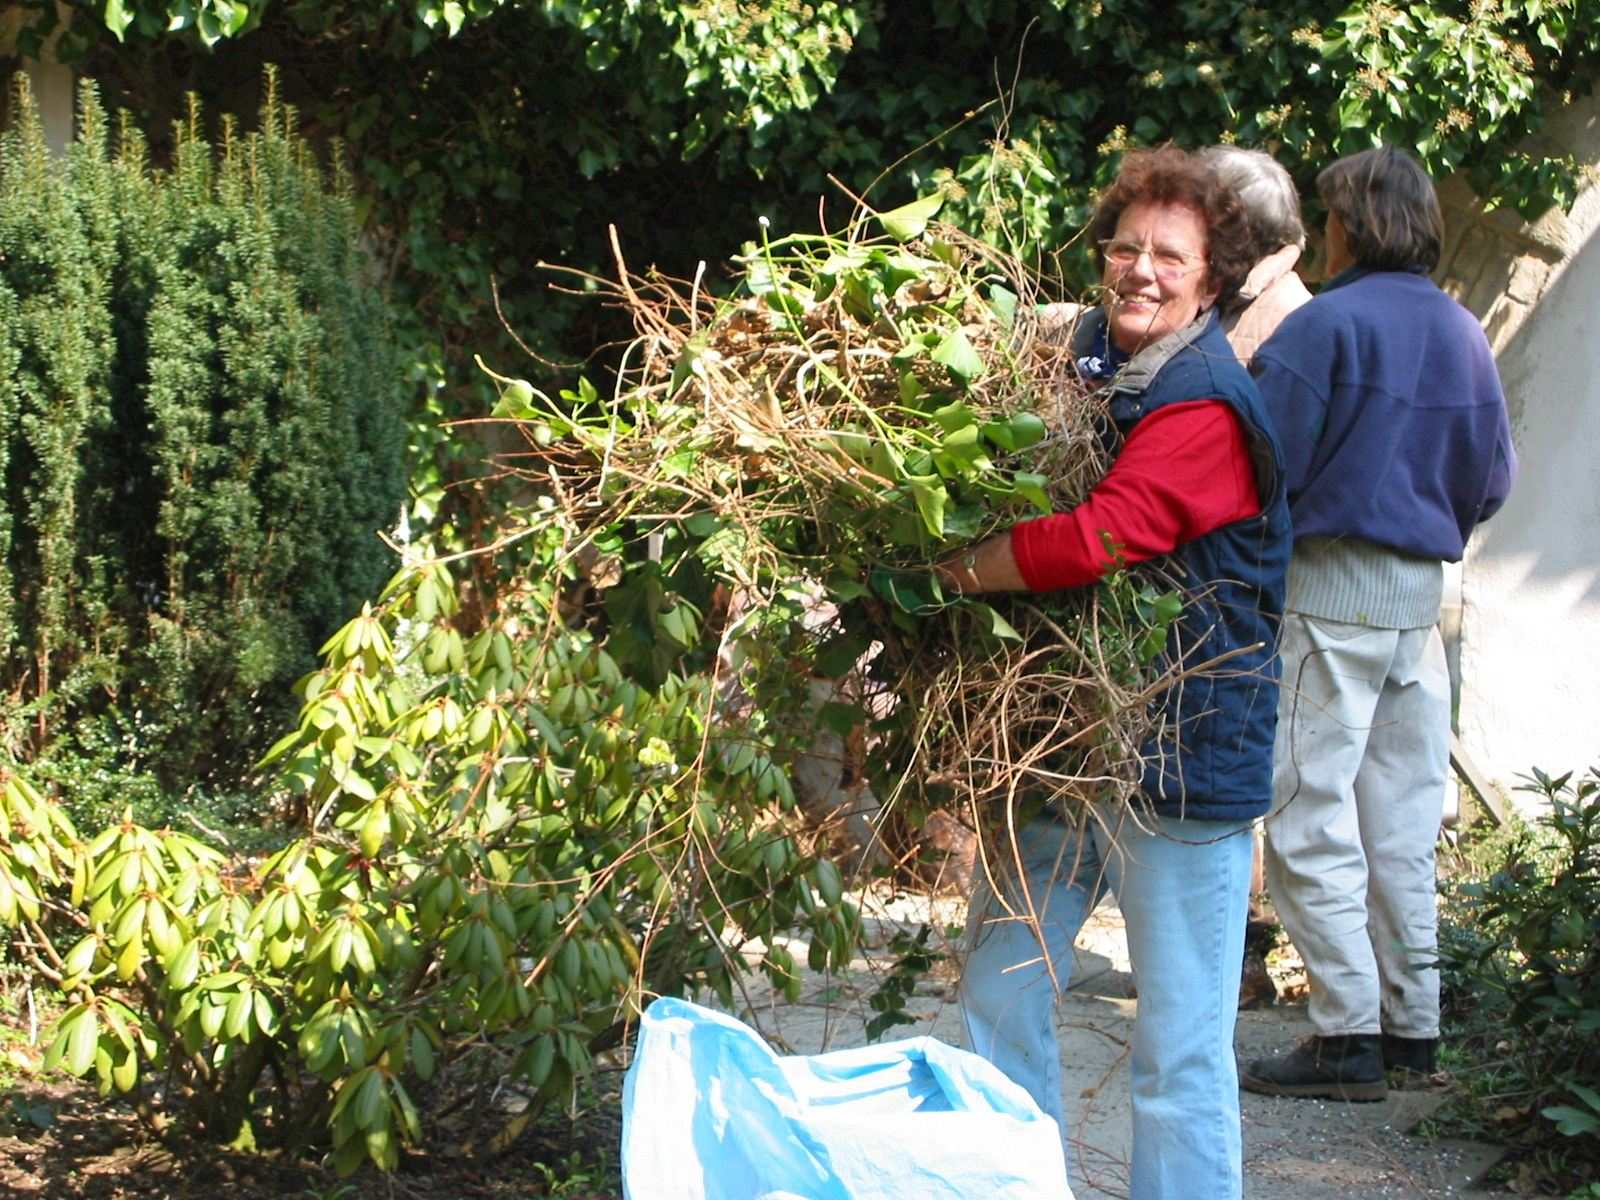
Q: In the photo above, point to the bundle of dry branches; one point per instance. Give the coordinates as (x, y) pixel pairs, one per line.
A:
(778, 471)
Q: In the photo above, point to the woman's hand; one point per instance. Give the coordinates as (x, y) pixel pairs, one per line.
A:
(989, 566)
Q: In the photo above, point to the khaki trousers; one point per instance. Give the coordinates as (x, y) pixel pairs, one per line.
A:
(1359, 779)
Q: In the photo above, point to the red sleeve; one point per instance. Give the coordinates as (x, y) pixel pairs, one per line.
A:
(1184, 471)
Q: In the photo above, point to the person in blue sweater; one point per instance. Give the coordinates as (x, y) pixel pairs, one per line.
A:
(1384, 394)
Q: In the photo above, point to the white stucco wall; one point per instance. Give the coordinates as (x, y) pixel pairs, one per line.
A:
(52, 83)
(1530, 642)
(52, 88)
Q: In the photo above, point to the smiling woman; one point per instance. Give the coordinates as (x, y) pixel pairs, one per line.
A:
(1195, 481)
(1196, 235)
(1171, 243)
(1155, 273)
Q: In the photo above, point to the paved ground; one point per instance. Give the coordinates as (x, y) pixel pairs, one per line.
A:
(1294, 1149)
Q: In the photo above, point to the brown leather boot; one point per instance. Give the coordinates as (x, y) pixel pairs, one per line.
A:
(1334, 1068)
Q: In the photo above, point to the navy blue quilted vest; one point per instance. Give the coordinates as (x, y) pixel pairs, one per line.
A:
(1211, 758)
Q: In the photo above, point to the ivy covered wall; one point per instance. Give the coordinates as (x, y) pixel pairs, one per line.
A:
(492, 135)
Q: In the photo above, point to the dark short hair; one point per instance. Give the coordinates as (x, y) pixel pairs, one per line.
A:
(1169, 175)
(1389, 210)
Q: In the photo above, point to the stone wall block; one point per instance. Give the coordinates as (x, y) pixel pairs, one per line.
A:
(1460, 275)
(1502, 321)
(1552, 236)
(1528, 279)
(1492, 281)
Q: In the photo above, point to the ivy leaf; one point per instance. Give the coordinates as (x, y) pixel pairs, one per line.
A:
(516, 402)
(909, 220)
(953, 416)
(895, 270)
(842, 718)
(117, 18)
(1004, 302)
(961, 456)
(929, 493)
(688, 363)
(965, 521)
(840, 261)
(1031, 488)
(998, 626)
(839, 654)
(1150, 644)
(1167, 607)
(913, 592)
(845, 590)
(679, 465)
(1017, 432)
(956, 352)
(211, 29)
(1571, 1122)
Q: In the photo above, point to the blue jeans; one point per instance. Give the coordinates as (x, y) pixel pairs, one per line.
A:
(1183, 887)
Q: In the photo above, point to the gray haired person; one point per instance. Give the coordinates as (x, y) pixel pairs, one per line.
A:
(1270, 293)
(1272, 290)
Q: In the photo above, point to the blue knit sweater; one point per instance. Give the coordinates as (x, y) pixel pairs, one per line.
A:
(1384, 395)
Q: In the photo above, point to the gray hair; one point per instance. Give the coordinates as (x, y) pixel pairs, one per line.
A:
(1265, 190)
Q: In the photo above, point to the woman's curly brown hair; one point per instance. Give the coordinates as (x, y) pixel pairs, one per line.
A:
(1169, 175)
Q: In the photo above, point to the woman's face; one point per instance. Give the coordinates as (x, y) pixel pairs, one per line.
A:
(1155, 273)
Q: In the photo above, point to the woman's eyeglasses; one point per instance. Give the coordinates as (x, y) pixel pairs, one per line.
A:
(1168, 264)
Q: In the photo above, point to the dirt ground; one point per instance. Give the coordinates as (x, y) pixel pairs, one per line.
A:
(97, 1149)
(100, 1154)
(1294, 1150)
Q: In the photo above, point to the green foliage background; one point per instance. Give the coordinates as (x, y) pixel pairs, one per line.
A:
(201, 430)
(1520, 955)
(492, 135)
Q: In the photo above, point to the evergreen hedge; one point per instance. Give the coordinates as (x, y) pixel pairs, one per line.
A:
(200, 435)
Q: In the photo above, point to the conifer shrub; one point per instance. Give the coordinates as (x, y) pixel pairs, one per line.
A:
(200, 433)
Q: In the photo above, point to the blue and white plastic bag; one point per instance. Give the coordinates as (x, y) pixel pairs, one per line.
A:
(710, 1112)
